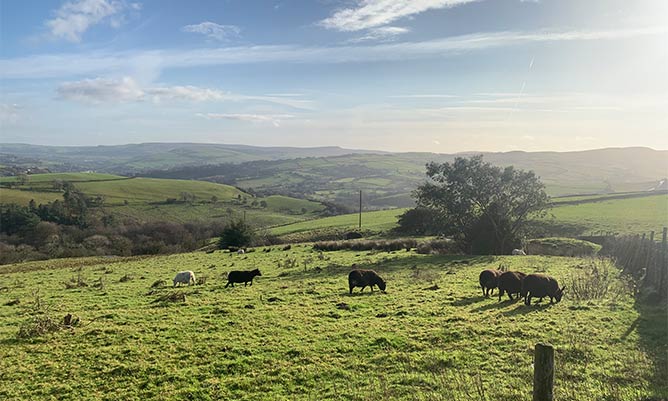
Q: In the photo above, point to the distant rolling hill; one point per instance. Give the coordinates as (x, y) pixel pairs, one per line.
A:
(134, 158)
(335, 174)
(388, 179)
(153, 199)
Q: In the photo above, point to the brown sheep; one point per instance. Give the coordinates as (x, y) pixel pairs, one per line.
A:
(511, 283)
(364, 278)
(489, 280)
(238, 276)
(540, 286)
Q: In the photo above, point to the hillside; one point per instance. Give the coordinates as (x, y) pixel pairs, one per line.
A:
(337, 175)
(133, 158)
(149, 199)
(296, 333)
(583, 215)
(388, 179)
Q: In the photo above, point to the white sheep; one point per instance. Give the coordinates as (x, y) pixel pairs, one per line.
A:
(184, 277)
(519, 252)
(240, 252)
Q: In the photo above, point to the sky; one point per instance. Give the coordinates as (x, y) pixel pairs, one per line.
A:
(399, 75)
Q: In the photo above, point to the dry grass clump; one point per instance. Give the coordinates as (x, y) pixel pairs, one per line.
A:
(76, 282)
(438, 247)
(595, 279)
(172, 297)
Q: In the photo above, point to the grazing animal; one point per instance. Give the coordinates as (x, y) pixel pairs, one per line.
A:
(240, 252)
(364, 278)
(519, 252)
(539, 286)
(238, 276)
(511, 283)
(489, 280)
(184, 277)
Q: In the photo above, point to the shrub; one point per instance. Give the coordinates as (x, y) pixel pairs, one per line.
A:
(366, 245)
(236, 234)
(596, 279)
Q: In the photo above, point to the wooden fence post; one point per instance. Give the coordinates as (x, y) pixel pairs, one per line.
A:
(543, 372)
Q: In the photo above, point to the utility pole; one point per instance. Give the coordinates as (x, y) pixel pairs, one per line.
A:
(360, 220)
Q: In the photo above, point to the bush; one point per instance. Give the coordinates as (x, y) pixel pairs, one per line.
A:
(237, 234)
(596, 279)
(366, 245)
(420, 221)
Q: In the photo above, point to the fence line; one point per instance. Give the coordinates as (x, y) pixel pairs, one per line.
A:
(640, 257)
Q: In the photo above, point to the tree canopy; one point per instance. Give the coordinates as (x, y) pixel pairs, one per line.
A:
(485, 206)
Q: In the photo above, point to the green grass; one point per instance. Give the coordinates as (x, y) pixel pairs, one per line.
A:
(146, 198)
(23, 197)
(235, 343)
(382, 220)
(72, 177)
(624, 216)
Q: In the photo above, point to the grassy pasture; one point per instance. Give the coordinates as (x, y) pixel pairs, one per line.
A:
(296, 334)
(22, 197)
(146, 198)
(72, 177)
(381, 220)
(624, 216)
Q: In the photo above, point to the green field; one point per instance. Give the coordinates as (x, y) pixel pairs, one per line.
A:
(625, 216)
(37, 179)
(296, 334)
(381, 220)
(144, 199)
(23, 197)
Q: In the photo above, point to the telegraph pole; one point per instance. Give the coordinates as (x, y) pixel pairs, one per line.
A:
(360, 220)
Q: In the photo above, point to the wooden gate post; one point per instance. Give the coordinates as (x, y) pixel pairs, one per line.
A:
(543, 372)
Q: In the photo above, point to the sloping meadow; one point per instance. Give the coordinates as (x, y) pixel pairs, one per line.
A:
(296, 333)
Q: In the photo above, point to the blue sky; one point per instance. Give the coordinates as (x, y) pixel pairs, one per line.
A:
(400, 75)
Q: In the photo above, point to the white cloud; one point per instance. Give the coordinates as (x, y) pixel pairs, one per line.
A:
(101, 90)
(126, 89)
(384, 33)
(373, 13)
(74, 17)
(214, 31)
(273, 119)
(55, 65)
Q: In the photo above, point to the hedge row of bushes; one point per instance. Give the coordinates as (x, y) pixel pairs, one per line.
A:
(437, 246)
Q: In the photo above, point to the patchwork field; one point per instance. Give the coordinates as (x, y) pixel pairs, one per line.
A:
(625, 216)
(381, 220)
(146, 199)
(296, 334)
(597, 213)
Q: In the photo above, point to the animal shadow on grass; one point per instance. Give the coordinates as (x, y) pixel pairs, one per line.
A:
(468, 300)
(522, 309)
(363, 294)
(389, 266)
